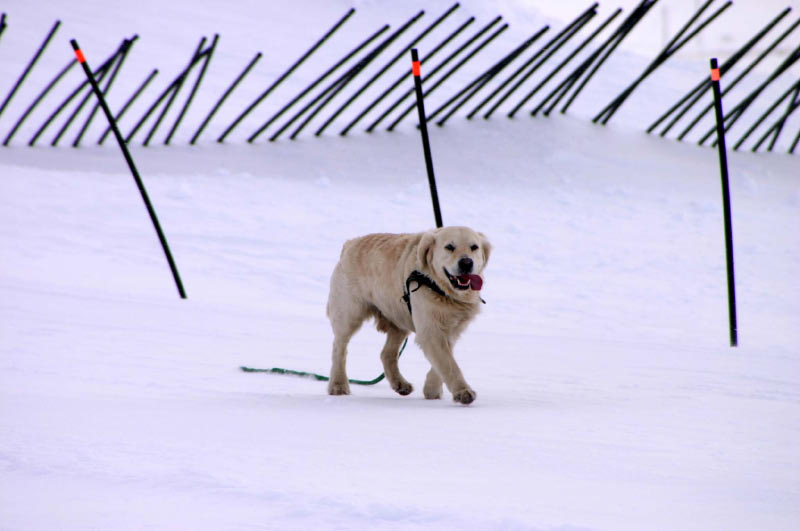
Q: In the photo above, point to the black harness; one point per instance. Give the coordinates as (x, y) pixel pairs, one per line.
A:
(422, 280)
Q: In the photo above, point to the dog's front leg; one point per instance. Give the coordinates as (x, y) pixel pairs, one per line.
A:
(433, 385)
(439, 351)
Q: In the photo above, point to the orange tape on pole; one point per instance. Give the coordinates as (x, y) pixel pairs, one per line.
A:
(415, 69)
(715, 74)
(80, 56)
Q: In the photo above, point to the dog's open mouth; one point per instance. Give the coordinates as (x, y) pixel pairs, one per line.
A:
(465, 282)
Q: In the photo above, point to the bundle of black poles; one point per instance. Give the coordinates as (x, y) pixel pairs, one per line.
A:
(726, 200)
(113, 124)
(423, 127)
(677, 42)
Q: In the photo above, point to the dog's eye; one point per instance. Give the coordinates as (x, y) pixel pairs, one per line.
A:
(450, 247)
(474, 247)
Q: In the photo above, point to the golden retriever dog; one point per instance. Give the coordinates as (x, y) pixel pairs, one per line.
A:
(427, 283)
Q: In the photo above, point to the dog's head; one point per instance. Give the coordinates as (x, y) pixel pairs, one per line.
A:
(454, 257)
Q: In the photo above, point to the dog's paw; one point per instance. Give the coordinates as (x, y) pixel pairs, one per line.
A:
(433, 386)
(465, 396)
(338, 388)
(432, 394)
(403, 388)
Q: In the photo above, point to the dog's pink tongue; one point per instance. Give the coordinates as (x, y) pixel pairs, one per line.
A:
(475, 282)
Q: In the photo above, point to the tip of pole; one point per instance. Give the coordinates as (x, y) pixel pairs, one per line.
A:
(715, 73)
(78, 53)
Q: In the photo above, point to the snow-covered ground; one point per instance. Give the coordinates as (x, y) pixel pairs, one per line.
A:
(608, 397)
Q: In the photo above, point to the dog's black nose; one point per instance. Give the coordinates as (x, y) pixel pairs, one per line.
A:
(465, 265)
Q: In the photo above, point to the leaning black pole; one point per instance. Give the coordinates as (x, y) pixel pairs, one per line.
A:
(96, 89)
(726, 200)
(128, 103)
(423, 127)
(794, 143)
(283, 76)
(450, 72)
(224, 97)
(30, 66)
(208, 53)
(38, 100)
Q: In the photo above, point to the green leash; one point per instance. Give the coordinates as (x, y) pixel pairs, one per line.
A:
(320, 377)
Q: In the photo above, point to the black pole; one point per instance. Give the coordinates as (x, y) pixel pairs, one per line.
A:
(566, 37)
(481, 81)
(397, 82)
(672, 47)
(114, 72)
(766, 114)
(566, 84)
(693, 96)
(562, 64)
(382, 71)
(165, 93)
(316, 82)
(743, 105)
(283, 76)
(747, 70)
(611, 44)
(327, 90)
(67, 101)
(782, 122)
(30, 65)
(38, 100)
(355, 71)
(450, 72)
(777, 127)
(794, 143)
(463, 46)
(726, 201)
(209, 53)
(178, 85)
(131, 165)
(558, 40)
(99, 77)
(68, 122)
(224, 97)
(423, 127)
(128, 103)
(388, 65)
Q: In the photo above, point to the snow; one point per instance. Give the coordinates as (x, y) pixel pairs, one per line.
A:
(608, 397)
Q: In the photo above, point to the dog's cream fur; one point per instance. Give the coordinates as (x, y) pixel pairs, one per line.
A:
(369, 281)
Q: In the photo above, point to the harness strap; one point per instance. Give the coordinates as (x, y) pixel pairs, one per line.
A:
(422, 280)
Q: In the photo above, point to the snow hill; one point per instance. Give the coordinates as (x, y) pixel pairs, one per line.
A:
(608, 397)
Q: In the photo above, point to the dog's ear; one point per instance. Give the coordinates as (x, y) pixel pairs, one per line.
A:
(425, 250)
(486, 247)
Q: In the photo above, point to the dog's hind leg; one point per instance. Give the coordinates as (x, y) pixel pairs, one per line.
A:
(389, 357)
(346, 315)
(342, 332)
